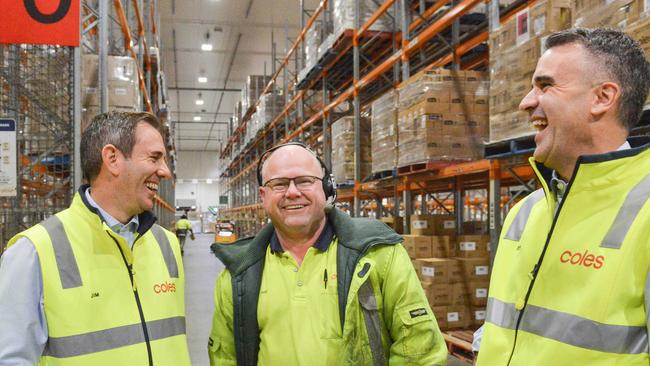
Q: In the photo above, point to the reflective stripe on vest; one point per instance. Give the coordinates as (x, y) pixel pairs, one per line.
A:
(569, 328)
(166, 250)
(633, 203)
(67, 265)
(519, 223)
(108, 339)
(65, 261)
(368, 303)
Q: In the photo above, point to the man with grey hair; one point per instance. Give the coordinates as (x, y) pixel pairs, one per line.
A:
(100, 282)
(570, 283)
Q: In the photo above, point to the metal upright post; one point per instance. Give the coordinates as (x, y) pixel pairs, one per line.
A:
(423, 204)
(406, 73)
(301, 54)
(78, 176)
(459, 205)
(327, 136)
(286, 80)
(408, 207)
(494, 211)
(357, 109)
(103, 56)
(455, 36)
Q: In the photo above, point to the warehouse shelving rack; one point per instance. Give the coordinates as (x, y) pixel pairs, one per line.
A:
(132, 30)
(42, 85)
(381, 70)
(395, 55)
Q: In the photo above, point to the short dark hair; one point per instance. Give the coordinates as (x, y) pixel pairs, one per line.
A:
(183, 216)
(623, 60)
(116, 128)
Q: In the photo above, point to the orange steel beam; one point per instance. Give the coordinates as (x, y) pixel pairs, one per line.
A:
(147, 60)
(124, 25)
(428, 13)
(462, 49)
(157, 199)
(379, 12)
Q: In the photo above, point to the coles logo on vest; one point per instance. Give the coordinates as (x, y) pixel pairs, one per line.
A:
(585, 259)
(164, 287)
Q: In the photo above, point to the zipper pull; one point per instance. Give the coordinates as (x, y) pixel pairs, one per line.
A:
(132, 273)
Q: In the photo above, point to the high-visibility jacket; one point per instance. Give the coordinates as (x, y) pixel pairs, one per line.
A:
(104, 303)
(384, 314)
(570, 282)
(182, 226)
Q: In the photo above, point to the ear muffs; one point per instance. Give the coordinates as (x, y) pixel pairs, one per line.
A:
(329, 183)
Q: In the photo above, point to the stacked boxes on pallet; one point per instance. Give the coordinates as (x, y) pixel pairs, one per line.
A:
(638, 27)
(343, 149)
(123, 92)
(443, 115)
(453, 270)
(514, 50)
(343, 19)
(384, 132)
(252, 90)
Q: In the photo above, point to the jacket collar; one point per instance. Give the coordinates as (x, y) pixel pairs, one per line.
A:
(358, 234)
(145, 220)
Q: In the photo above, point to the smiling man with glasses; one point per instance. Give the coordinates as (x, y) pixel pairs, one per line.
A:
(315, 286)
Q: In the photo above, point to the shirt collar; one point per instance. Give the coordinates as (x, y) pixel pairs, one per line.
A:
(112, 222)
(322, 243)
(558, 185)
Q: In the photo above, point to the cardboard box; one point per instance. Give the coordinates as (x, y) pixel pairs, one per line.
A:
(475, 269)
(440, 312)
(120, 68)
(478, 293)
(459, 294)
(444, 225)
(419, 245)
(397, 223)
(434, 270)
(422, 225)
(437, 294)
(458, 316)
(455, 271)
(473, 246)
(443, 246)
(120, 94)
(478, 314)
(475, 227)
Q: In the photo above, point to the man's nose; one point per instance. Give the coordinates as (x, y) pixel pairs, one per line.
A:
(530, 101)
(292, 190)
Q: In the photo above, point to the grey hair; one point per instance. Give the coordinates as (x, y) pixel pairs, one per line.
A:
(114, 128)
(623, 60)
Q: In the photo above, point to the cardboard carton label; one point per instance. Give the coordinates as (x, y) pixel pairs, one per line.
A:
(453, 317)
(468, 245)
(419, 224)
(120, 91)
(479, 315)
(481, 292)
(428, 271)
(481, 270)
(449, 224)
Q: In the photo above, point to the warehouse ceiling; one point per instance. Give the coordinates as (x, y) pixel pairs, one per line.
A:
(239, 32)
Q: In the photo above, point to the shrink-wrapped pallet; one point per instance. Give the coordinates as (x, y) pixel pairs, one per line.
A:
(343, 149)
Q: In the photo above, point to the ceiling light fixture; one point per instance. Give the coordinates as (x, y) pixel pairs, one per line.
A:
(203, 79)
(206, 47)
(199, 100)
(197, 118)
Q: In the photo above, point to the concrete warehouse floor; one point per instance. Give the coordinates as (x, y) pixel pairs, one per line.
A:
(201, 270)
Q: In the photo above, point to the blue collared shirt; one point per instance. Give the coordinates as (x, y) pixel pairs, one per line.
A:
(322, 243)
(23, 330)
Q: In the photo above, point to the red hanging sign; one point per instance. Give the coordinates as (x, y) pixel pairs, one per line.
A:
(40, 22)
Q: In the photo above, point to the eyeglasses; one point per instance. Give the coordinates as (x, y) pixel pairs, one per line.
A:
(303, 183)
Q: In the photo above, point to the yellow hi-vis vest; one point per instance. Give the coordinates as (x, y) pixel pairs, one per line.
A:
(105, 304)
(572, 287)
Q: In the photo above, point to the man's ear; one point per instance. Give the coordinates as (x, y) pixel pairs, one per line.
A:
(112, 159)
(606, 96)
(262, 193)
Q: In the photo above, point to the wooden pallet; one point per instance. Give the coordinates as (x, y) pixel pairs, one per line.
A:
(459, 344)
(516, 146)
(426, 166)
(390, 173)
